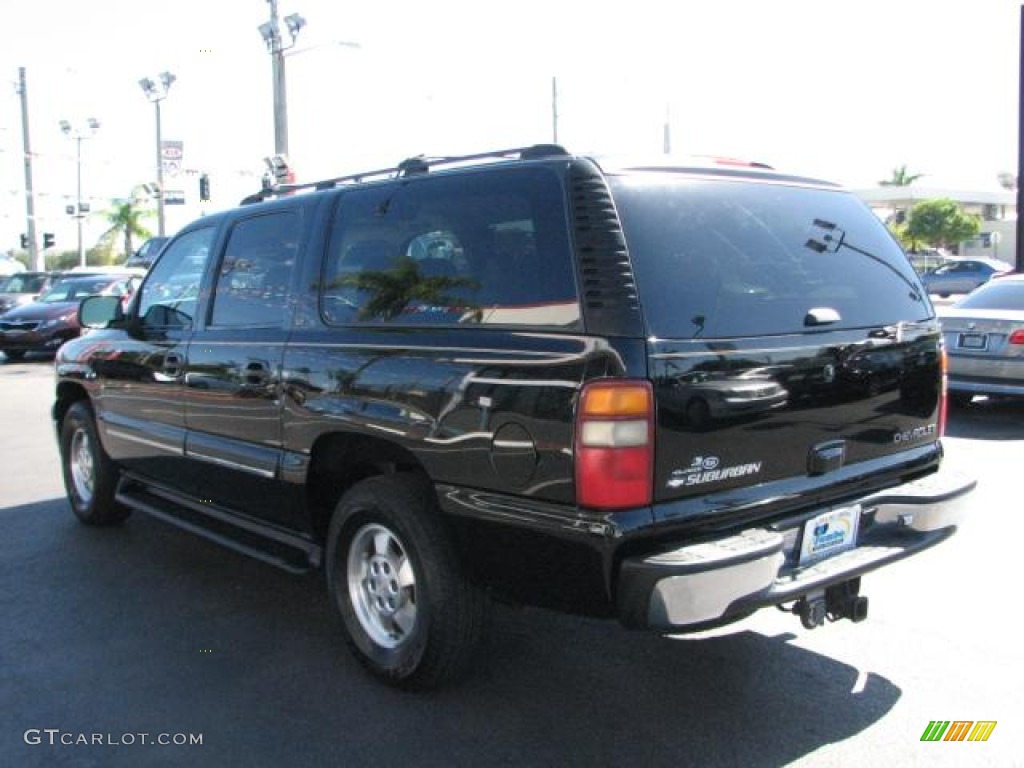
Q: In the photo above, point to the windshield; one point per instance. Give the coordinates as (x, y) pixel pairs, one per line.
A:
(722, 258)
(78, 288)
(995, 295)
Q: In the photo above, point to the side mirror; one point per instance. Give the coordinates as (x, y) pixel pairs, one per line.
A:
(100, 311)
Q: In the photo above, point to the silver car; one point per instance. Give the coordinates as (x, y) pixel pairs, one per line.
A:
(962, 275)
(984, 335)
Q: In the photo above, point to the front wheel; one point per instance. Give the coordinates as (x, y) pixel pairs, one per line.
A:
(90, 476)
(410, 616)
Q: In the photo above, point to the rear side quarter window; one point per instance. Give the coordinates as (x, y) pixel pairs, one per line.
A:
(473, 249)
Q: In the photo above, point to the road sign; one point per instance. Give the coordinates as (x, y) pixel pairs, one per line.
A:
(171, 155)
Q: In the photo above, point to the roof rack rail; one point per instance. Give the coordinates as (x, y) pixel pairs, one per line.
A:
(411, 166)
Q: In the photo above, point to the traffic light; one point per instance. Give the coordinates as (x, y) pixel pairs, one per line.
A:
(24, 241)
(48, 240)
(204, 188)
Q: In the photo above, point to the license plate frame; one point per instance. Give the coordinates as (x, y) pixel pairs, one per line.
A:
(829, 533)
(976, 342)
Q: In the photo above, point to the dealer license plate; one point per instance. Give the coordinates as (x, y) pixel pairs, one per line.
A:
(829, 533)
(973, 341)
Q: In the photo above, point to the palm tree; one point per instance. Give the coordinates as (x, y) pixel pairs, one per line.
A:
(392, 290)
(125, 219)
(901, 178)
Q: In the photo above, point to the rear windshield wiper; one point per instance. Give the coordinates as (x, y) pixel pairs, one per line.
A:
(825, 236)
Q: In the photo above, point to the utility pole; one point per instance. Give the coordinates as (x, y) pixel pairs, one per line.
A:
(37, 256)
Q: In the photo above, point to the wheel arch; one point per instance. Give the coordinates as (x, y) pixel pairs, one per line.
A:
(339, 460)
(68, 393)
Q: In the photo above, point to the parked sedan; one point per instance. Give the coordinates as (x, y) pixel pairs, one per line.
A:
(45, 324)
(962, 275)
(23, 288)
(984, 335)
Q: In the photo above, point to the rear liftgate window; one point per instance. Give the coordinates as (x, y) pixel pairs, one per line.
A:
(476, 248)
(719, 259)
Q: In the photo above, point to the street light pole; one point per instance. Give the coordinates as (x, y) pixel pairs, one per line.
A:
(157, 92)
(80, 208)
(280, 86)
(78, 198)
(271, 33)
(160, 217)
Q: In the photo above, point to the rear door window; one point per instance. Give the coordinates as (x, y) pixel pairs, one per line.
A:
(473, 248)
(254, 278)
(722, 258)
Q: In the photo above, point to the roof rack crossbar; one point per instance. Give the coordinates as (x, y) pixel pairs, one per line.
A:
(408, 167)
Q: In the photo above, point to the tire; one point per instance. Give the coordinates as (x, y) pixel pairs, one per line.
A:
(90, 477)
(13, 355)
(410, 617)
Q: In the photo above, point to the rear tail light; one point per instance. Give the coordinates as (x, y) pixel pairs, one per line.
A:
(943, 391)
(1017, 337)
(615, 444)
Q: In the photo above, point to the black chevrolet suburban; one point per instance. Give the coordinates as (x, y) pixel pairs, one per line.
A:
(667, 393)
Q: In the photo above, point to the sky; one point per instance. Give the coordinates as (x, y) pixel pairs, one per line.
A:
(835, 89)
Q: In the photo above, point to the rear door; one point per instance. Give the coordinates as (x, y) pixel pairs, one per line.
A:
(232, 389)
(788, 336)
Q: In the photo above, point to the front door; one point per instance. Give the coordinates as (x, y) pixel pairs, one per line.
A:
(141, 409)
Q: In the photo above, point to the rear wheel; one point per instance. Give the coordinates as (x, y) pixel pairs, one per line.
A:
(90, 476)
(410, 616)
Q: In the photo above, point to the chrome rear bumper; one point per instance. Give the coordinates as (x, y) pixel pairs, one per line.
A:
(711, 582)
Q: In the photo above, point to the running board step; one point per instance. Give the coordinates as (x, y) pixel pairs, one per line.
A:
(269, 544)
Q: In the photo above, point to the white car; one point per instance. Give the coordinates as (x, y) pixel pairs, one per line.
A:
(9, 266)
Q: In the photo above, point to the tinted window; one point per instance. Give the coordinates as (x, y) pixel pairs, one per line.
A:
(171, 292)
(472, 248)
(255, 274)
(722, 258)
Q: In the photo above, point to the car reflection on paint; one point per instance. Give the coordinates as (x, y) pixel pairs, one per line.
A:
(868, 370)
(707, 396)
